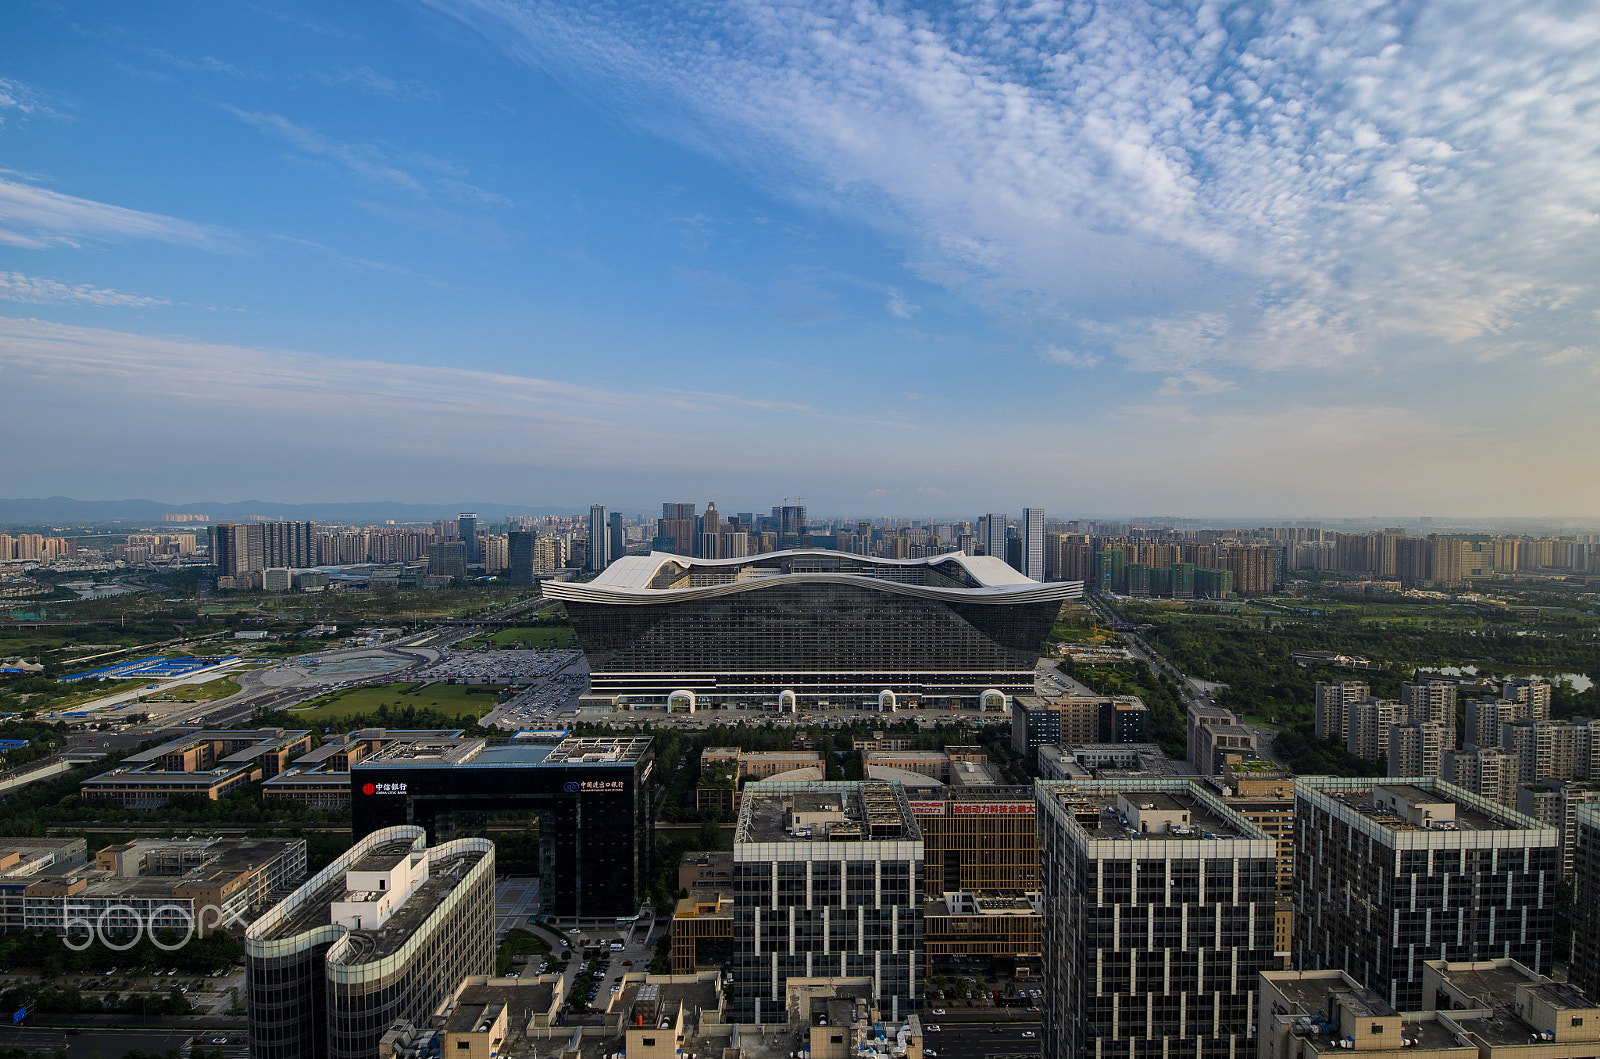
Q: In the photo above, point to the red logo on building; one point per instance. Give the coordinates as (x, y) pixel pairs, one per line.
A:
(369, 789)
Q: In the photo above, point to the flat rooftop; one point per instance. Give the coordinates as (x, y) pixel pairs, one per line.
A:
(505, 753)
(848, 812)
(1099, 813)
(1467, 816)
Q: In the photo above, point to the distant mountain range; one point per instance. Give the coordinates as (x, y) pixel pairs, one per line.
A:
(63, 509)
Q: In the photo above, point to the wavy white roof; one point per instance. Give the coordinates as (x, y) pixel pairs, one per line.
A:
(628, 579)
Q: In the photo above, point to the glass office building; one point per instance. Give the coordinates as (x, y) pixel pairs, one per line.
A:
(588, 794)
(384, 933)
(830, 627)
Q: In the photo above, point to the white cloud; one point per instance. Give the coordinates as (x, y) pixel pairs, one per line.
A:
(21, 99)
(899, 306)
(1069, 358)
(374, 83)
(1194, 384)
(35, 218)
(377, 163)
(14, 286)
(1325, 183)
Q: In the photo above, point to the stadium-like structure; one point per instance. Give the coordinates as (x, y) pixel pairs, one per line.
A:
(813, 627)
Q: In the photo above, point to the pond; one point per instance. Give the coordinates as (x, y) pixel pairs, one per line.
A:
(1579, 681)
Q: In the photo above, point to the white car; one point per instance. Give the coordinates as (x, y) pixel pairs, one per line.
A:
(937, 1011)
(1029, 1033)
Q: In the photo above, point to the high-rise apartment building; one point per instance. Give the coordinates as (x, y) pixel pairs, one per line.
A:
(1391, 874)
(828, 882)
(467, 532)
(1033, 543)
(384, 933)
(1486, 771)
(1367, 727)
(240, 549)
(1333, 707)
(599, 552)
(1158, 907)
(1417, 749)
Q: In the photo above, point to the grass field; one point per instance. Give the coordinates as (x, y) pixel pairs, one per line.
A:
(210, 691)
(553, 636)
(462, 701)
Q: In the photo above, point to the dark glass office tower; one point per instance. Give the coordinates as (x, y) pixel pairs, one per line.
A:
(1158, 906)
(1392, 873)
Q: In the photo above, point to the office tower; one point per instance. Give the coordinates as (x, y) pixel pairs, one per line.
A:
(1158, 905)
(521, 556)
(969, 543)
(1585, 967)
(1367, 727)
(616, 540)
(1033, 543)
(598, 552)
(589, 794)
(1417, 749)
(828, 882)
(1391, 874)
(448, 559)
(1333, 703)
(467, 532)
(708, 542)
(825, 626)
(677, 525)
(790, 522)
(993, 529)
(384, 933)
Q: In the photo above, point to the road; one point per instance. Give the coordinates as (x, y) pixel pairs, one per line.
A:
(115, 1042)
(1190, 692)
(979, 1040)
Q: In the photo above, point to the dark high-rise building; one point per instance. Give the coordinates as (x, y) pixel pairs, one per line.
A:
(828, 627)
(790, 520)
(594, 819)
(616, 540)
(678, 525)
(1392, 873)
(447, 559)
(467, 530)
(1585, 967)
(238, 549)
(827, 882)
(521, 557)
(383, 934)
(599, 554)
(1158, 915)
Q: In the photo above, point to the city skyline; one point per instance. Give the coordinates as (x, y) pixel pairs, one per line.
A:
(1279, 259)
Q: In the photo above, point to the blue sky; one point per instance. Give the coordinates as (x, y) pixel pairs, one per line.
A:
(1210, 259)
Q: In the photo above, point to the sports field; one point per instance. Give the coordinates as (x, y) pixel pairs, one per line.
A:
(540, 637)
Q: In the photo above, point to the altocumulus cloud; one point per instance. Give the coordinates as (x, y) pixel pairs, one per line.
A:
(1268, 186)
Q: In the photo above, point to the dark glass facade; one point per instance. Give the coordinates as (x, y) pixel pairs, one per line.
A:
(594, 820)
(824, 641)
(1152, 955)
(1379, 902)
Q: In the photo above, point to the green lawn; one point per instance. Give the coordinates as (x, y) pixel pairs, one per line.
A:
(462, 701)
(551, 636)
